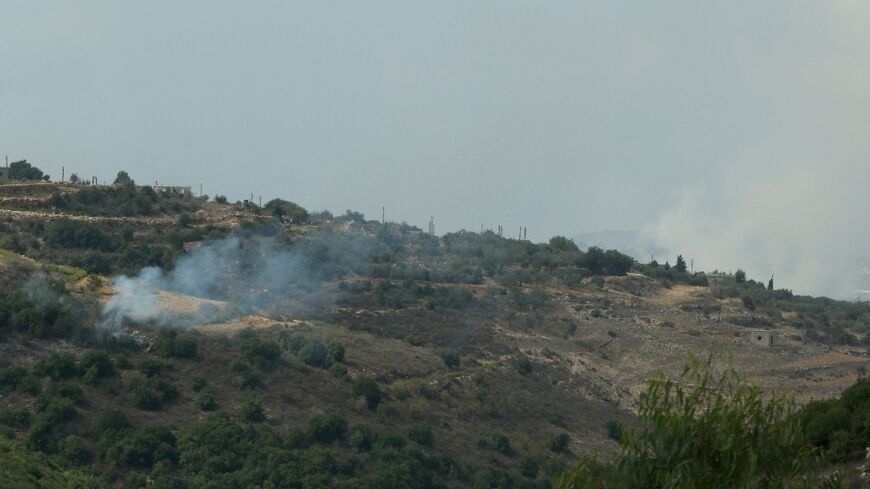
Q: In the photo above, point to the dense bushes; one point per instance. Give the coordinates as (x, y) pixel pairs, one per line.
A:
(367, 387)
(51, 313)
(67, 233)
(262, 353)
(122, 200)
(315, 352)
(840, 426)
(706, 429)
(171, 343)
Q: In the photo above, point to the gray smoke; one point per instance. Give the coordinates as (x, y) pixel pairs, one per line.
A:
(246, 274)
(38, 290)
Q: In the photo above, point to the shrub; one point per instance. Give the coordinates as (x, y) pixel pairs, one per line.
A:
(55, 410)
(315, 353)
(198, 383)
(501, 444)
(11, 378)
(66, 233)
(368, 388)
(529, 467)
(523, 365)
(263, 354)
(145, 398)
(336, 351)
(74, 450)
(69, 391)
(246, 378)
(450, 356)
(171, 343)
(706, 430)
(96, 364)
(387, 439)
(422, 434)
(205, 401)
(360, 438)
(251, 411)
(16, 418)
(558, 443)
(151, 367)
(338, 370)
(326, 429)
(57, 366)
(614, 430)
(112, 425)
(153, 393)
(144, 447)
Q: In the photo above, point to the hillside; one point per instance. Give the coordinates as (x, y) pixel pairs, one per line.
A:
(330, 351)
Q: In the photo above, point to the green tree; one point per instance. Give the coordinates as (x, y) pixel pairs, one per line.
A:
(680, 266)
(450, 356)
(281, 209)
(770, 283)
(367, 387)
(22, 170)
(561, 243)
(123, 178)
(706, 429)
(739, 276)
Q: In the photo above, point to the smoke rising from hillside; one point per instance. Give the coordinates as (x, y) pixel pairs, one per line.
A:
(244, 273)
(794, 203)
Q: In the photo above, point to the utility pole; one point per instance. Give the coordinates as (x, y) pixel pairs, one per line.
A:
(431, 225)
(261, 201)
(62, 173)
(384, 215)
(692, 266)
(200, 190)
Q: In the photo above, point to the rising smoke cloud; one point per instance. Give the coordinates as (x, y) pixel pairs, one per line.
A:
(794, 202)
(245, 274)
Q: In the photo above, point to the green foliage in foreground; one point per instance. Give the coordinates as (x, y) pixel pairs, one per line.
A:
(20, 469)
(706, 430)
(840, 427)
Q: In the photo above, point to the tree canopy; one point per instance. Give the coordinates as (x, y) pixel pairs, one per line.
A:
(123, 178)
(22, 170)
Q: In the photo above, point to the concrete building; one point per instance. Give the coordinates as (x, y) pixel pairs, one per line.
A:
(762, 338)
(175, 190)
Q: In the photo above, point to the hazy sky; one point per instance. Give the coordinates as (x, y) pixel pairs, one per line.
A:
(738, 133)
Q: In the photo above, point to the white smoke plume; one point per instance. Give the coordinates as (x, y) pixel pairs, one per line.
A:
(794, 202)
(245, 273)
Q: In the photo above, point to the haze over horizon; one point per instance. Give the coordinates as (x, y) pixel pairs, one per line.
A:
(735, 134)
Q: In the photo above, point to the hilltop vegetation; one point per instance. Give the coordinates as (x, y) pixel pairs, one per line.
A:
(351, 353)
